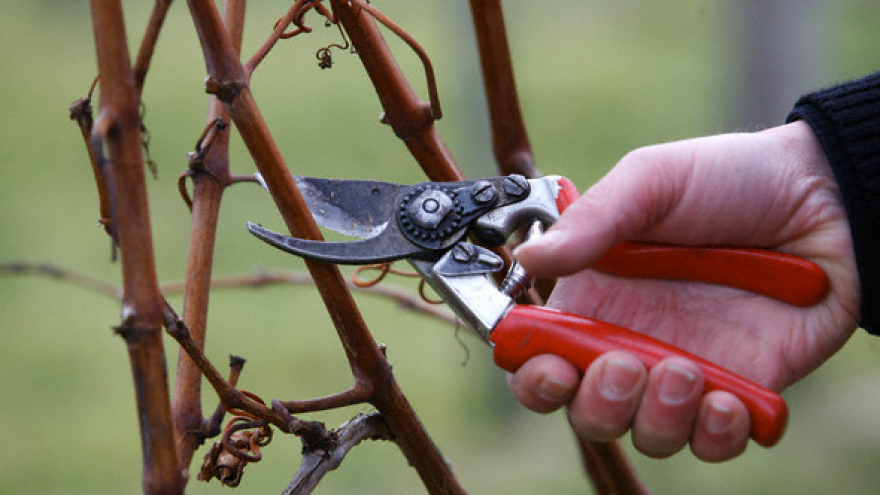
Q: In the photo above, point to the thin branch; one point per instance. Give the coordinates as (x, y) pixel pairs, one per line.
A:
(240, 402)
(209, 170)
(211, 425)
(355, 395)
(431, 79)
(141, 325)
(318, 462)
(293, 15)
(411, 119)
(95, 141)
(77, 279)
(510, 140)
(81, 112)
(148, 43)
(404, 298)
(609, 469)
(232, 398)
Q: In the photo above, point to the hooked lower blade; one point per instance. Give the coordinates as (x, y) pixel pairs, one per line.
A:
(378, 249)
(356, 208)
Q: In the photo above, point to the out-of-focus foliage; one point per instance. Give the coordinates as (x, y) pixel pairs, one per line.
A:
(597, 78)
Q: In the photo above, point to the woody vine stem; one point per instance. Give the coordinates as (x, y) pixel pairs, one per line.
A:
(174, 425)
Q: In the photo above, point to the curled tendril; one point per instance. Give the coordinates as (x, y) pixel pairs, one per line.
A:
(239, 445)
(244, 436)
(385, 269)
(297, 21)
(324, 55)
(299, 29)
(325, 60)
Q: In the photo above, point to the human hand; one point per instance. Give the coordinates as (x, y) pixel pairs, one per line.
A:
(771, 189)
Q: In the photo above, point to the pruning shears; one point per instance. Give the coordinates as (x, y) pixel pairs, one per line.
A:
(430, 224)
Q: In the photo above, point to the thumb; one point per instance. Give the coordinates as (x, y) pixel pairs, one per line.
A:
(634, 196)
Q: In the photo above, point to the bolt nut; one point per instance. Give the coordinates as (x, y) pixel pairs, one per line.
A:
(483, 192)
(516, 185)
(463, 253)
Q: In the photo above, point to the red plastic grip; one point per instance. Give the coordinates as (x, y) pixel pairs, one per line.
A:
(778, 275)
(529, 331)
(568, 193)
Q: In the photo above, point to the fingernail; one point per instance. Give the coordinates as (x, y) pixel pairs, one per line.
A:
(619, 379)
(555, 390)
(718, 419)
(677, 384)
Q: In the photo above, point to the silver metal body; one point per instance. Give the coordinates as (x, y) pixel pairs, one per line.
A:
(468, 288)
(540, 205)
(463, 278)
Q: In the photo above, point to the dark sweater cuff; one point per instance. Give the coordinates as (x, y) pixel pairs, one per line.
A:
(846, 120)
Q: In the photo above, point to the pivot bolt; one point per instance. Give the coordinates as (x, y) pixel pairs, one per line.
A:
(430, 208)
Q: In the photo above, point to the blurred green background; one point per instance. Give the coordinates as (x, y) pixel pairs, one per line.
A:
(597, 78)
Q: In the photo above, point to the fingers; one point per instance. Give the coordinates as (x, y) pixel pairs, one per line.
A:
(660, 406)
(664, 408)
(722, 430)
(663, 423)
(608, 397)
(544, 383)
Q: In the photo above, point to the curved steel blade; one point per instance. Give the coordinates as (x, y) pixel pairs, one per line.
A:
(356, 208)
(389, 246)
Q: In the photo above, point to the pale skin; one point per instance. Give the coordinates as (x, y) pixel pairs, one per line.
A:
(771, 189)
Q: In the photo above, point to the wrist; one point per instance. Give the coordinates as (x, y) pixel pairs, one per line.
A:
(800, 146)
(846, 121)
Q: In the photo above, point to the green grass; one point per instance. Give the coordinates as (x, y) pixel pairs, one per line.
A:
(596, 78)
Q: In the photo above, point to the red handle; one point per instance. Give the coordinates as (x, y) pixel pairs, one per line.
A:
(778, 275)
(567, 194)
(529, 331)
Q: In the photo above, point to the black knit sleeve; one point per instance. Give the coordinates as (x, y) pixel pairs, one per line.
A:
(846, 120)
